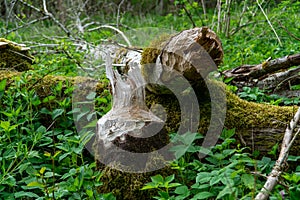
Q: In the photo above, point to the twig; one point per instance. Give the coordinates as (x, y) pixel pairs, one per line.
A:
(115, 29)
(50, 15)
(20, 54)
(227, 18)
(288, 32)
(27, 24)
(118, 15)
(239, 27)
(189, 15)
(265, 177)
(219, 7)
(204, 9)
(262, 10)
(10, 11)
(277, 169)
(69, 55)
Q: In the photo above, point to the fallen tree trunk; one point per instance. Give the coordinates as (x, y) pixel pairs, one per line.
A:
(271, 75)
(258, 126)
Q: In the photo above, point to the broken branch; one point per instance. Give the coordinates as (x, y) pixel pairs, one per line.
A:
(277, 169)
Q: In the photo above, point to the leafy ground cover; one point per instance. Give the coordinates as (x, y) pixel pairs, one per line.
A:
(48, 160)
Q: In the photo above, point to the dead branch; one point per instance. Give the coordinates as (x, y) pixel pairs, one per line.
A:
(249, 72)
(269, 22)
(118, 15)
(288, 32)
(45, 12)
(115, 29)
(27, 24)
(277, 169)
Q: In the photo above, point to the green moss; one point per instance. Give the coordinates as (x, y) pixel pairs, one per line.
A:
(14, 57)
(149, 56)
(127, 186)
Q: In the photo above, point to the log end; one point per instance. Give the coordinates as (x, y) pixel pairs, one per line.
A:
(191, 53)
(15, 56)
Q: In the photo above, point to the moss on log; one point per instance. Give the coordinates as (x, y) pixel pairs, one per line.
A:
(14, 56)
(261, 125)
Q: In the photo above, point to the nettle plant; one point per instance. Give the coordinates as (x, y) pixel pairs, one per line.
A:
(225, 173)
(41, 154)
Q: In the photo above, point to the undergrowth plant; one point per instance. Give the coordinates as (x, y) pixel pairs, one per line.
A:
(225, 173)
(41, 154)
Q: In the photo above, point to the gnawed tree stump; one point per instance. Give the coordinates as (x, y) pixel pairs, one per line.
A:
(181, 66)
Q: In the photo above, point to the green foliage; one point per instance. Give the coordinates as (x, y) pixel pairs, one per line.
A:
(225, 173)
(43, 160)
(257, 95)
(42, 155)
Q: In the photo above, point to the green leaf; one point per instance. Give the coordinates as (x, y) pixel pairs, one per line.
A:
(42, 170)
(25, 194)
(2, 85)
(164, 195)
(47, 154)
(2, 88)
(56, 154)
(214, 180)
(41, 129)
(293, 158)
(35, 184)
(58, 86)
(150, 185)
(203, 195)
(227, 80)
(182, 190)
(203, 177)
(56, 113)
(169, 178)
(226, 190)
(109, 196)
(76, 182)
(89, 193)
(179, 150)
(248, 180)
(227, 133)
(48, 98)
(23, 167)
(189, 138)
(5, 125)
(9, 180)
(174, 185)
(157, 179)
